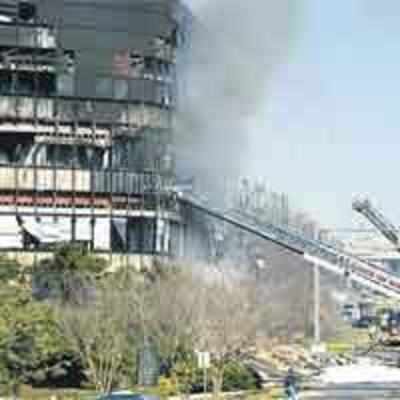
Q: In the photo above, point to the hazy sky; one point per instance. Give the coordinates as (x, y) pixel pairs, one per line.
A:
(330, 129)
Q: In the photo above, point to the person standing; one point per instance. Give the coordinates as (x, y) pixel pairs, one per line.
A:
(291, 385)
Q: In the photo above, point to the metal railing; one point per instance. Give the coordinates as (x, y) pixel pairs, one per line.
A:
(25, 108)
(44, 179)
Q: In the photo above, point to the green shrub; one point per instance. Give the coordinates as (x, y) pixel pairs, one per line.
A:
(239, 377)
(167, 387)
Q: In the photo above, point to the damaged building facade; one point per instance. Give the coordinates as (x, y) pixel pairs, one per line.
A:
(87, 97)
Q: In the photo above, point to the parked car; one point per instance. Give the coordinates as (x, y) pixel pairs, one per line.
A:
(127, 396)
(365, 322)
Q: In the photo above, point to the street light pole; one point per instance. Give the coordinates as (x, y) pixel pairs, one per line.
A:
(317, 305)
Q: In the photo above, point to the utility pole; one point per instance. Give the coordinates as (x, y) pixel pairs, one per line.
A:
(317, 305)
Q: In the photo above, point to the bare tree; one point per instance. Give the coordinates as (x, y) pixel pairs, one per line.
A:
(101, 332)
(287, 289)
(172, 305)
(230, 320)
(208, 309)
(179, 309)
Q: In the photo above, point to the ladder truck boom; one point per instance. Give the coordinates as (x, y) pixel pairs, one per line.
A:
(364, 273)
(377, 219)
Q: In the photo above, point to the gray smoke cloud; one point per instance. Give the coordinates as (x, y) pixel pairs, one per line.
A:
(236, 46)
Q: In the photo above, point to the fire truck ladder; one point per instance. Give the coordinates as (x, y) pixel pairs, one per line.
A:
(378, 220)
(315, 252)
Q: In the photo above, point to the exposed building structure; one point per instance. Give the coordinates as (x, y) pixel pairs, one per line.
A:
(87, 97)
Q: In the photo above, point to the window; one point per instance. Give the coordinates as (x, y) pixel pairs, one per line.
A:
(5, 82)
(104, 87)
(26, 11)
(137, 89)
(24, 83)
(46, 84)
(141, 232)
(120, 89)
(65, 85)
(148, 72)
(61, 155)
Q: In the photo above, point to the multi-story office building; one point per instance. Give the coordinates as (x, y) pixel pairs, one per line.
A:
(87, 96)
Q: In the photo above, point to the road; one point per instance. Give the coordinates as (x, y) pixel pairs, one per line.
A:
(354, 392)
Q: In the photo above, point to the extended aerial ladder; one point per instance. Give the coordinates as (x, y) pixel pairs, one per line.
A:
(315, 252)
(377, 219)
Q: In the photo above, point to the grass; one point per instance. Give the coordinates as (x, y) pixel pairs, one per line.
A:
(347, 339)
(339, 347)
(273, 394)
(28, 393)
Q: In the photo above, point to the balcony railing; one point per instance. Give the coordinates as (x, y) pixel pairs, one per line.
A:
(41, 179)
(39, 37)
(71, 110)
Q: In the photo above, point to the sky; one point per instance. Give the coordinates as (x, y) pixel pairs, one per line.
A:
(329, 128)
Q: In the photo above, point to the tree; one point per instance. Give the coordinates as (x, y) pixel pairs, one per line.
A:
(31, 350)
(286, 289)
(239, 377)
(168, 317)
(102, 332)
(207, 309)
(230, 320)
(172, 306)
(71, 269)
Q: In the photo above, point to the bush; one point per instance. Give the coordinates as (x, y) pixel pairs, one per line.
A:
(239, 377)
(167, 387)
(186, 377)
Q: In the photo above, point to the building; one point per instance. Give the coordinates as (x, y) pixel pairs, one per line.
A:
(87, 97)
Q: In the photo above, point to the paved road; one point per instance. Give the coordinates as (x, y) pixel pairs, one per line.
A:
(354, 392)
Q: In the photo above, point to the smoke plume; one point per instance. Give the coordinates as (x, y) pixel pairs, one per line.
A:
(236, 46)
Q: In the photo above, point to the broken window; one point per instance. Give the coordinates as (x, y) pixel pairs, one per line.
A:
(137, 66)
(119, 234)
(46, 84)
(141, 235)
(148, 70)
(26, 11)
(5, 82)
